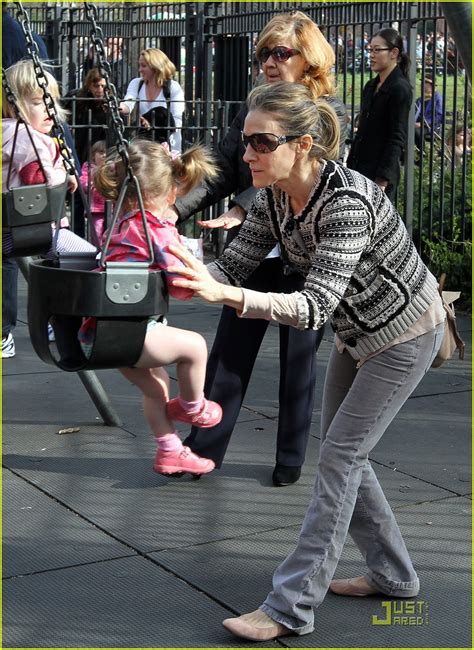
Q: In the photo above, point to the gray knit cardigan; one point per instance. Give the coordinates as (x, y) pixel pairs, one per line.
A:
(362, 270)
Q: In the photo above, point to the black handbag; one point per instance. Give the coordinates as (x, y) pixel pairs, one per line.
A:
(160, 118)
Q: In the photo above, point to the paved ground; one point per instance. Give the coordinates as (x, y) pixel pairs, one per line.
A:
(99, 551)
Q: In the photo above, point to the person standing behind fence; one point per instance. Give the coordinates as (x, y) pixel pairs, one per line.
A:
(382, 131)
(363, 273)
(151, 90)
(290, 48)
(88, 112)
(429, 112)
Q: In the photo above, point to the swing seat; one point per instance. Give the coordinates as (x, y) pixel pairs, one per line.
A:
(27, 213)
(122, 298)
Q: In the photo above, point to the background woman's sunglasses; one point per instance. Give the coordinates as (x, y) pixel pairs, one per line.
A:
(266, 142)
(279, 53)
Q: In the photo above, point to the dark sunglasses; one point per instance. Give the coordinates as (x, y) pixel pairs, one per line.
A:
(279, 53)
(266, 142)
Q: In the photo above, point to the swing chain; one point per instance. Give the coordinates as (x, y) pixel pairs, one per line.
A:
(10, 97)
(33, 52)
(97, 38)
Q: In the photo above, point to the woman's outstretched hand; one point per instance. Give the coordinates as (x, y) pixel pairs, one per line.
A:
(195, 276)
(234, 217)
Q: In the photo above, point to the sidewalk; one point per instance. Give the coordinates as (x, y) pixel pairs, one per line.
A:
(99, 551)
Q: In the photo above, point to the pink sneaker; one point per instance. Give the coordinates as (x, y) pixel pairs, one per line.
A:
(209, 415)
(182, 460)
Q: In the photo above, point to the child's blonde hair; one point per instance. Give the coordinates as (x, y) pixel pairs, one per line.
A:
(156, 170)
(24, 85)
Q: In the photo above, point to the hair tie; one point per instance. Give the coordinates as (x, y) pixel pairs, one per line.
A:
(172, 153)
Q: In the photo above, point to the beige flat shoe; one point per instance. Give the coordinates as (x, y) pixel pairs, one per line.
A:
(255, 626)
(353, 587)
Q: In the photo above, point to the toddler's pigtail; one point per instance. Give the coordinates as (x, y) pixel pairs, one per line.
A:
(192, 167)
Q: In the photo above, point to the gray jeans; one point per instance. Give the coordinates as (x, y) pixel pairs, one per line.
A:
(358, 406)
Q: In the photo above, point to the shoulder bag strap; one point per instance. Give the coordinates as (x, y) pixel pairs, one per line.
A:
(167, 90)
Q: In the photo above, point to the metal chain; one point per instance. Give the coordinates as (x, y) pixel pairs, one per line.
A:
(110, 92)
(33, 52)
(117, 126)
(10, 97)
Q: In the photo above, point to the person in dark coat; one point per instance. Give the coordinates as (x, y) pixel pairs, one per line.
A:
(88, 110)
(13, 41)
(290, 48)
(382, 131)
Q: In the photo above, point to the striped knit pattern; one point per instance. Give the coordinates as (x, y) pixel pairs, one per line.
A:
(362, 270)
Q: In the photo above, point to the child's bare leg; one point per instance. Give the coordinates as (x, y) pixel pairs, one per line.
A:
(154, 384)
(164, 345)
(171, 456)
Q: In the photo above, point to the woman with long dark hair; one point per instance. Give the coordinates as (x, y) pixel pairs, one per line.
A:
(382, 130)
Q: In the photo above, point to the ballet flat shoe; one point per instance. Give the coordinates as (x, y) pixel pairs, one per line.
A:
(353, 587)
(255, 626)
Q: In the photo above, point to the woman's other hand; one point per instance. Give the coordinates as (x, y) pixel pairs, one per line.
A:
(145, 123)
(72, 183)
(382, 183)
(234, 217)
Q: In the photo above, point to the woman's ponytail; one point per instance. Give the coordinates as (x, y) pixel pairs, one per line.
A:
(404, 64)
(329, 132)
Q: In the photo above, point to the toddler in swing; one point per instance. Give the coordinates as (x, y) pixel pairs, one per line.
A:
(161, 177)
(21, 164)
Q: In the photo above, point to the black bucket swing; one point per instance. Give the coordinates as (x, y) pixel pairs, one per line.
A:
(122, 296)
(27, 211)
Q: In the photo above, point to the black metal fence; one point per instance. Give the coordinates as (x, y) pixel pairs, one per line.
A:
(212, 46)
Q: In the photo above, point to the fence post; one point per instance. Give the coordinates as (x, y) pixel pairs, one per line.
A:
(52, 31)
(409, 157)
(459, 18)
(194, 40)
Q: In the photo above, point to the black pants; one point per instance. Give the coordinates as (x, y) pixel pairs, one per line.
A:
(230, 366)
(9, 294)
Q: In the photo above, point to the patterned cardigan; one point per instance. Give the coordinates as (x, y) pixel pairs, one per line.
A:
(362, 270)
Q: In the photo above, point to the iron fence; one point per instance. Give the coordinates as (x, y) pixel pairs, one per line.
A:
(212, 46)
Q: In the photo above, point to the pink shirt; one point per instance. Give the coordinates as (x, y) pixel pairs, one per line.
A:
(97, 201)
(24, 154)
(128, 244)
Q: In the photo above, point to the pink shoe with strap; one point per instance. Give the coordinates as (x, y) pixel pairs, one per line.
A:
(182, 460)
(208, 415)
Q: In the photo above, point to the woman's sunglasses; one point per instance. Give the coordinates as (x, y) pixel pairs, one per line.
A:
(266, 142)
(279, 53)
